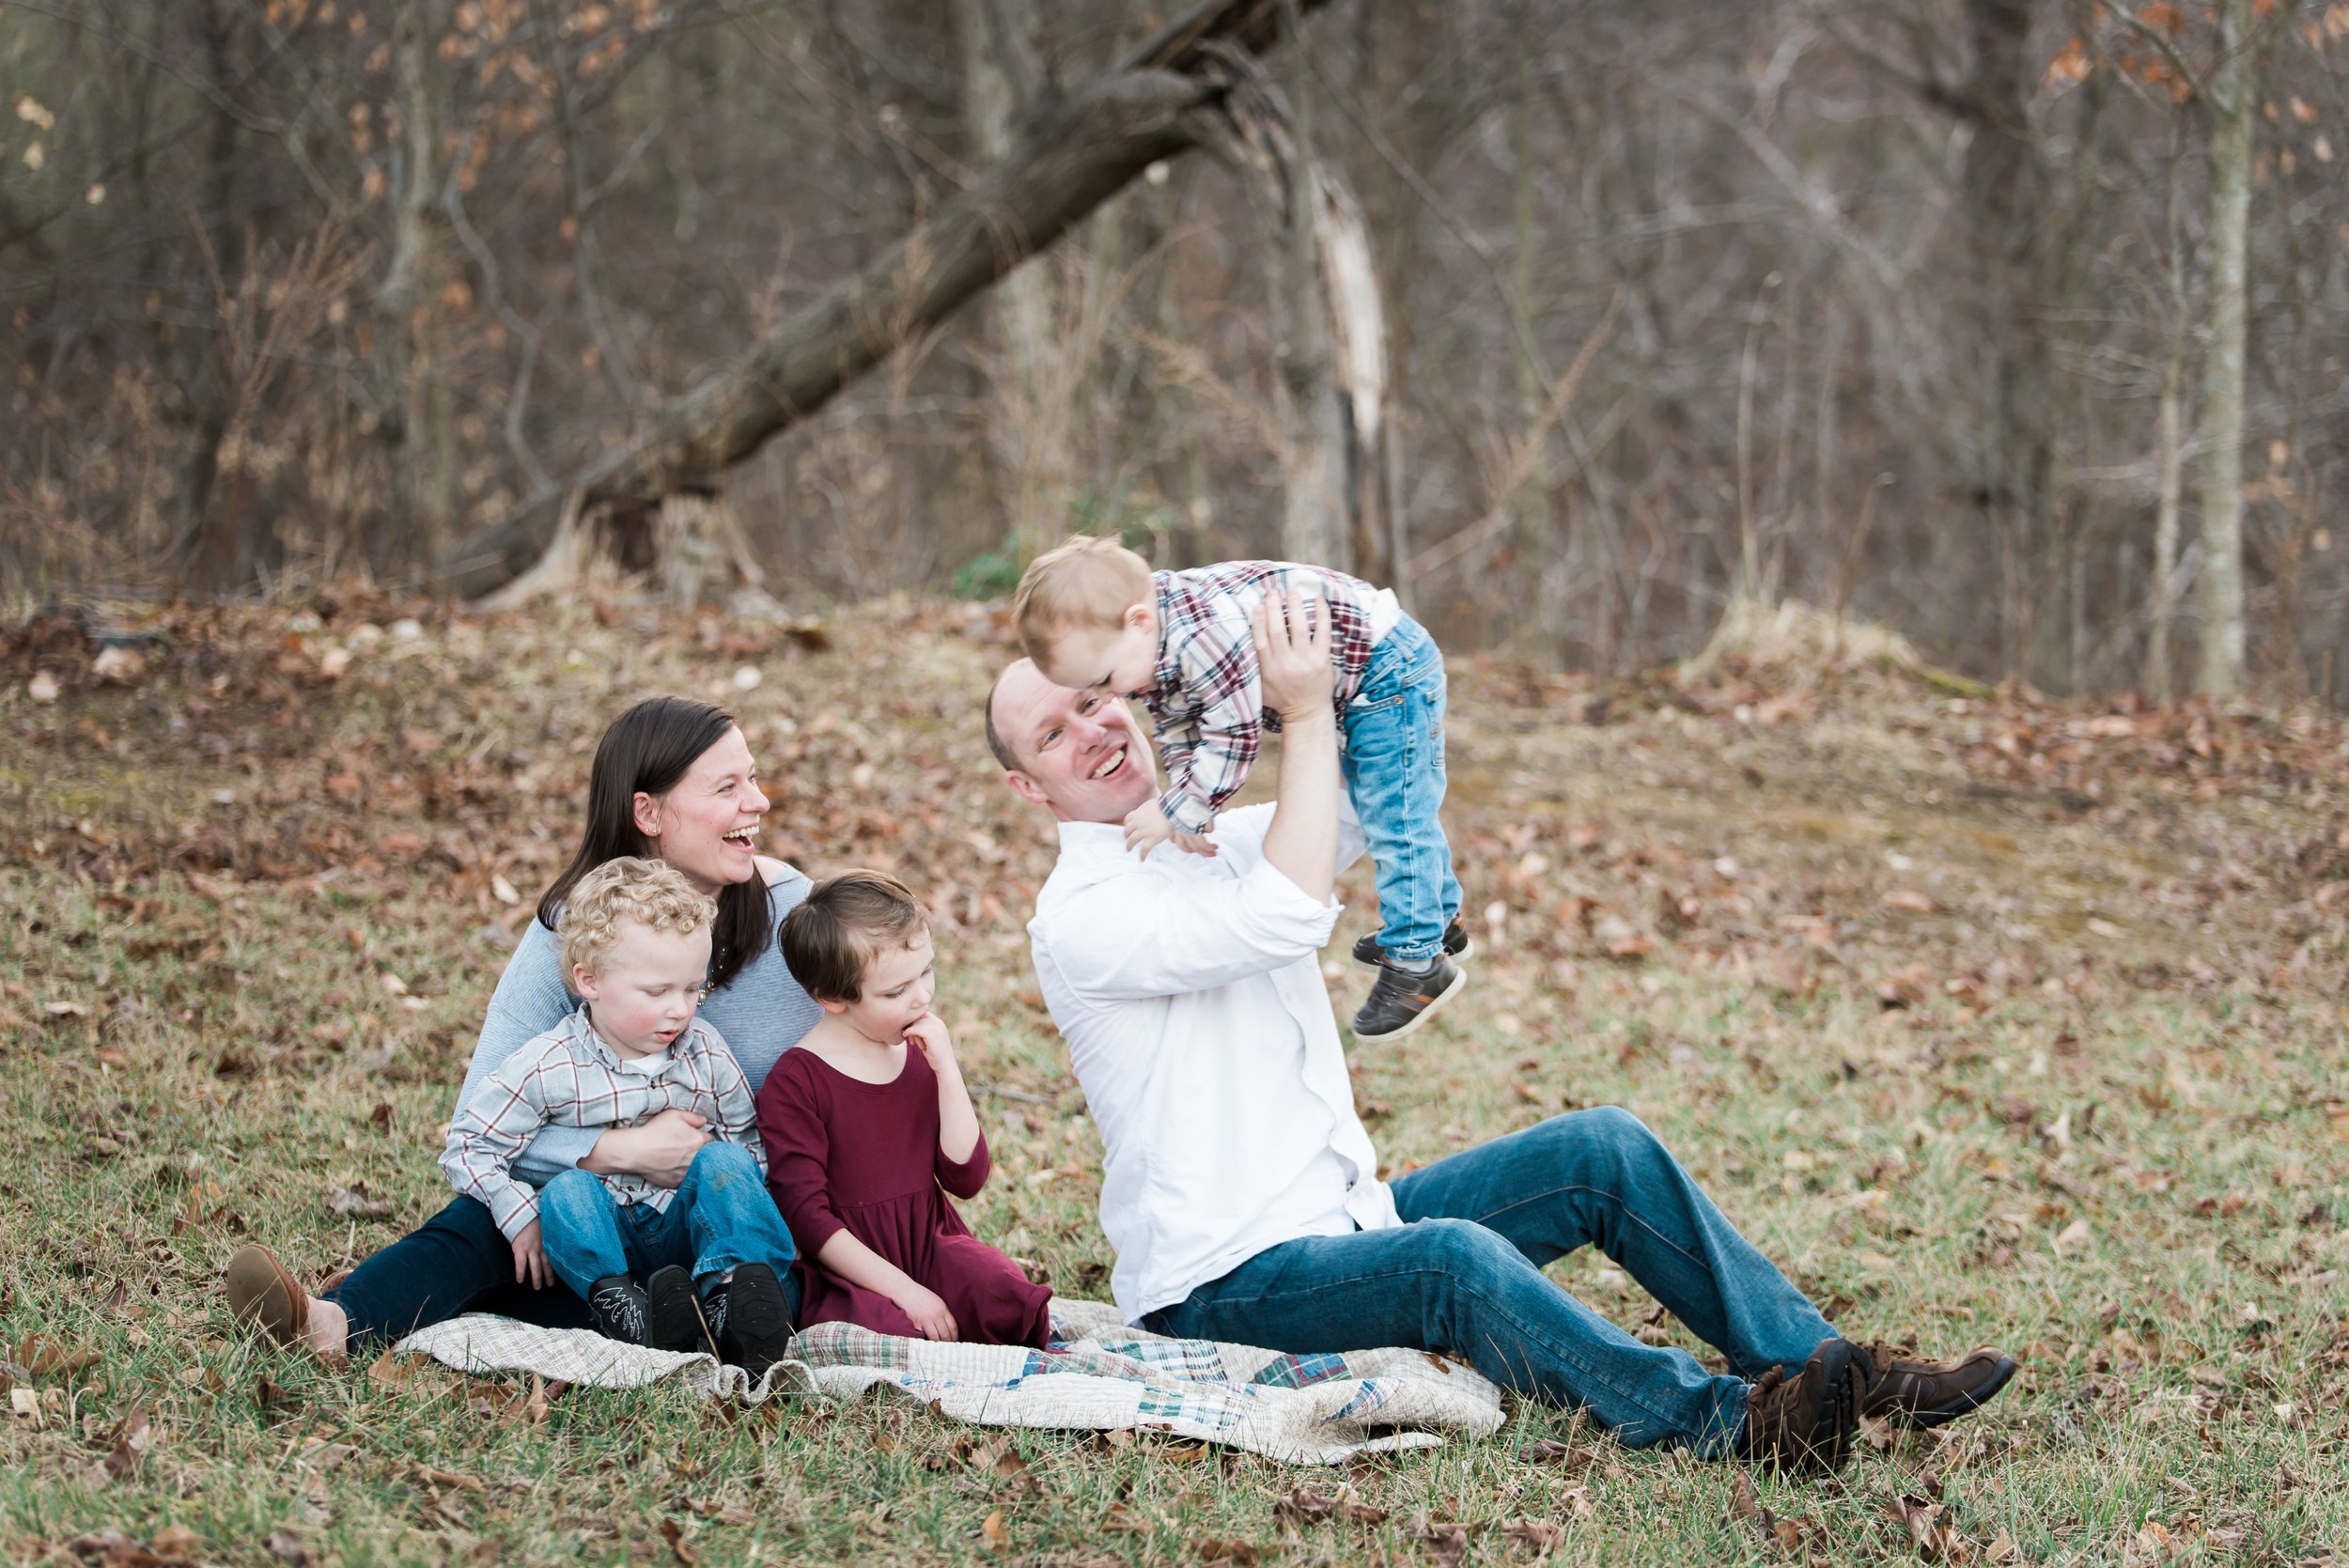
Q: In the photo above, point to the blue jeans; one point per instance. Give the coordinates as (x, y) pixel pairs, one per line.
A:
(1463, 1275)
(720, 1215)
(1393, 763)
(456, 1262)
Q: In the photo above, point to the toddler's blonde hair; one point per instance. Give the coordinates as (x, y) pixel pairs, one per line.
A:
(651, 893)
(1088, 582)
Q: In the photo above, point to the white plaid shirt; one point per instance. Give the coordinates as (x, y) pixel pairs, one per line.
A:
(568, 1077)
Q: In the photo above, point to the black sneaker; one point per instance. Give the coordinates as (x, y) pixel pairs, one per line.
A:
(673, 1313)
(1457, 946)
(1401, 1000)
(1805, 1422)
(757, 1319)
(619, 1309)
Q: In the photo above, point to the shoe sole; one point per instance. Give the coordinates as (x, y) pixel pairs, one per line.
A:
(1459, 978)
(1963, 1404)
(1838, 1416)
(747, 1318)
(262, 1294)
(668, 1323)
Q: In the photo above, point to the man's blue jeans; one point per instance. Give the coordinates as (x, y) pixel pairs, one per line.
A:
(1393, 764)
(1464, 1276)
(720, 1215)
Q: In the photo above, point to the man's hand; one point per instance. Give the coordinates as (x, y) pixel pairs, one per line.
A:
(929, 1313)
(1292, 659)
(530, 1260)
(661, 1151)
(1146, 828)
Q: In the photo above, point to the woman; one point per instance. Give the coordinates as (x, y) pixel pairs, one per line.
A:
(673, 781)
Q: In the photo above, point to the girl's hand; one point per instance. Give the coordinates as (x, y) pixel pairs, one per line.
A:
(928, 1033)
(530, 1260)
(1146, 828)
(1194, 844)
(929, 1313)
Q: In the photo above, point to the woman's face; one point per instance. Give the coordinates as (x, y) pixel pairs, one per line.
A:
(706, 824)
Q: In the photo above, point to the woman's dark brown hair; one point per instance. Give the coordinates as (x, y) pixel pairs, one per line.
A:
(648, 749)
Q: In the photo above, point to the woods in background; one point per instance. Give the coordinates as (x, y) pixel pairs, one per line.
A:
(2016, 325)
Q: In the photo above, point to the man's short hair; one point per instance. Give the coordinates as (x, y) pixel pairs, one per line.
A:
(626, 889)
(1088, 582)
(995, 741)
(830, 939)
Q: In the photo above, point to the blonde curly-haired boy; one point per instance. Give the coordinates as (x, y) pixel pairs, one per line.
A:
(702, 1266)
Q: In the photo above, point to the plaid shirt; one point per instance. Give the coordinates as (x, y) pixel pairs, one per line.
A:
(1208, 705)
(568, 1077)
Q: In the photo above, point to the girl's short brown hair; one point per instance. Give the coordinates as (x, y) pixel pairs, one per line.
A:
(831, 938)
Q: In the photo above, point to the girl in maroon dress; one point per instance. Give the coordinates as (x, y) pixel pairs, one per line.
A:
(866, 1119)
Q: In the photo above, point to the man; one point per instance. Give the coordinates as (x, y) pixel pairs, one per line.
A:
(1240, 1191)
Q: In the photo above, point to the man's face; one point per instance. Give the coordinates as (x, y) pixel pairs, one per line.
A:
(1079, 753)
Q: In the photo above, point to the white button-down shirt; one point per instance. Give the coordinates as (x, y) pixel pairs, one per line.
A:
(1189, 992)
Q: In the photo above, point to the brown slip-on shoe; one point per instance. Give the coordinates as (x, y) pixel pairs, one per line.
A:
(1905, 1387)
(262, 1294)
(1804, 1422)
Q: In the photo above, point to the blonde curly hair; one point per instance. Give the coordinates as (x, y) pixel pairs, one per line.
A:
(650, 893)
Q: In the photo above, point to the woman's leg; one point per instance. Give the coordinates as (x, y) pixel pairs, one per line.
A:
(456, 1262)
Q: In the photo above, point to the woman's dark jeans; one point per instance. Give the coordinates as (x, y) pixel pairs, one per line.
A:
(458, 1262)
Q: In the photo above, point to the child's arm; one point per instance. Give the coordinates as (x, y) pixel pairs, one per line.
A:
(1221, 680)
(505, 1113)
(959, 1143)
(736, 1119)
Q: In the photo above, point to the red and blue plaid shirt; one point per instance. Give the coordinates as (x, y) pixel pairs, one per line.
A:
(1208, 703)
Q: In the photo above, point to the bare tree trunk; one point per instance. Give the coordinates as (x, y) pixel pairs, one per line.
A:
(417, 418)
(2170, 455)
(1028, 409)
(2229, 101)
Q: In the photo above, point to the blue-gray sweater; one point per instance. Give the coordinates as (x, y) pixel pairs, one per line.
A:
(761, 1013)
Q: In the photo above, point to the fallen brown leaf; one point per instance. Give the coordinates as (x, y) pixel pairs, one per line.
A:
(674, 1533)
(1241, 1552)
(133, 1436)
(1536, 1535)
(996, 1533)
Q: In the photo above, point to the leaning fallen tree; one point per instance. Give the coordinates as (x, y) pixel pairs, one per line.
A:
(1168, 96)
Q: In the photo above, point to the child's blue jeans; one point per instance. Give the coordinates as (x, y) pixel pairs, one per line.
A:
(1393, 761)
(720, 1217)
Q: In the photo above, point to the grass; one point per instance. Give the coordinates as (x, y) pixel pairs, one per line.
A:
(1974, 1059)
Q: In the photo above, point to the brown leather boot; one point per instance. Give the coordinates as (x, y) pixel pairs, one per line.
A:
(262, 1294)
(1903, 1387)
(1805, 1422)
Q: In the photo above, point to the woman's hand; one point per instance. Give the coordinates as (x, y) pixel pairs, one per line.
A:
(660, 1150)
(928, 1312)
(530, 1260)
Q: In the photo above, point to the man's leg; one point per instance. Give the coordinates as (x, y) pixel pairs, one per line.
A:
(1451, 1285)
(1600, 1177)
(456, 1262)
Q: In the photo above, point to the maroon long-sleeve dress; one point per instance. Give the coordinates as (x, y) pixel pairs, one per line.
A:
(845, 1155)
